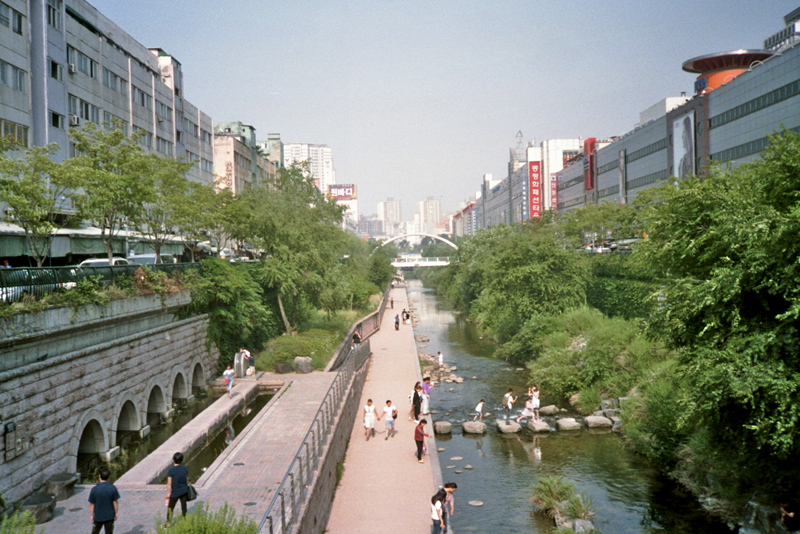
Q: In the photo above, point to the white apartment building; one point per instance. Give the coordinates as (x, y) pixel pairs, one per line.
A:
(319, 158)
(430, 214)
(390, 212)
(63, 63)
(555, 154)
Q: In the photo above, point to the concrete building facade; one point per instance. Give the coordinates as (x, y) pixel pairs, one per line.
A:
(238, 160)
(390, 212)
(319, 158)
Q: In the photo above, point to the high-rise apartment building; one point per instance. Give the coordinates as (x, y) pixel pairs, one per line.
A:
(430, 214)
(390, 212)
(63, 64)
(319, 158)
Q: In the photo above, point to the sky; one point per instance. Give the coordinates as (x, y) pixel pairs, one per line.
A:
(420, 99)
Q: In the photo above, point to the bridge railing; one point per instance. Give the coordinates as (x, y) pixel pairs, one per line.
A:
(423, 259)
(40, 281)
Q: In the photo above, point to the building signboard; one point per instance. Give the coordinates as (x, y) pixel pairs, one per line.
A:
(535, 189)
(342, 191)
(683, 150)
(553, 191)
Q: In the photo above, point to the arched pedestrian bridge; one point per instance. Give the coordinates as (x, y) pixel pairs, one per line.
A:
(415, 260)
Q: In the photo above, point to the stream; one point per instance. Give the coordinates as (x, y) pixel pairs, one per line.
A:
(630, 496)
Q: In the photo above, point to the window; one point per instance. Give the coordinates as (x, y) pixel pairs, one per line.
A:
(83, 62)
(16, 22)
(205, 136)
(56, 120)
(206, 165)
(142, 98)
(56, 71)
(163, 111)
(163, 146)
(16, 133)
(5, 15)
(111, 122)
(190, 127)
(146, 139)
(54, 13)
(109, 79)
(84, 109)
(12, 76)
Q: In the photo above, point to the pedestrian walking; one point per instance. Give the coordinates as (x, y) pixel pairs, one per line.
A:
(177, 486)
(356, 339)
(527, 411)
(419, 438)
(448, 507)
(104, 504)
(390, 413)
(405, 317)
(397, 322)
(229, 375)
(369, 419)
(440, 357)
(534, 393)
(437, 503)
(417, 401)
(479, 410)
(508, 402)
(391, 300)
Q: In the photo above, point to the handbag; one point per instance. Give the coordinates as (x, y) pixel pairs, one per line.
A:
(192, 495)
(227, 380)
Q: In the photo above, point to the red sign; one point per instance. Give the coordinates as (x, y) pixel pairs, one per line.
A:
(342, 191)
(588, 163)
(553, 192)
(535, 189)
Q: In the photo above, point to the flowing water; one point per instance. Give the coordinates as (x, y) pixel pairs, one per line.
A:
(629, 495)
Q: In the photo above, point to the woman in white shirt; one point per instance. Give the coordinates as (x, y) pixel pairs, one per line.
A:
(437, 502)
(369, 419)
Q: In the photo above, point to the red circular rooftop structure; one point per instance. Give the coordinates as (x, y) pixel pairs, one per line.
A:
(722, 67)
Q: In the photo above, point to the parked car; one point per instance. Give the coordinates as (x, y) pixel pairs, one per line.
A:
(150, 259)
(103, 262)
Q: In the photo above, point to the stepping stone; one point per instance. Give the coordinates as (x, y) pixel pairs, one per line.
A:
(509, 427)
(458, 472)
(568, 423)
(551, 409)
(598, 421)
(473, 427)
(475, 503)
(456, 458)
(442, 427)
(467, 466)
(441, 449)
(539, 426)
(450, 467)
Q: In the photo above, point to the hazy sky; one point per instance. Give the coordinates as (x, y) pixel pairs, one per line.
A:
(421, 98)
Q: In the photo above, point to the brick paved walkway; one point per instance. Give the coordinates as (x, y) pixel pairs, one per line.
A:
(383, 488)
(247, 472)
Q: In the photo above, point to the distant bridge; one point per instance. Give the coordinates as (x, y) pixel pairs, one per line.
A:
(410, 262)
(438, 238)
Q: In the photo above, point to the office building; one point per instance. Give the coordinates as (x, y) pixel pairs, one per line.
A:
(238, 160)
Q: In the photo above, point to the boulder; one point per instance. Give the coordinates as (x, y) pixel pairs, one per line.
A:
(550, 409)
(568, 423)
(617, 422)
(284, 367)
(608, 404)
(610, 413)
(575, 399)
(41, 506)
(582, 525)
(539, 426)
(508, 427)
(596, 421)
(60, 485)
(473, 427)
(302, 365)
(599, 413)
(442, 427)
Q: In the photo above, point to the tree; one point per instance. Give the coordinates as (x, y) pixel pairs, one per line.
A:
(116, 178)
(607, 219)
(161, 215)
(297, 228)
(728, 248)
(41, 196)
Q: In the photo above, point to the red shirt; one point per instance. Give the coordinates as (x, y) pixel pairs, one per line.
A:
(419, 433)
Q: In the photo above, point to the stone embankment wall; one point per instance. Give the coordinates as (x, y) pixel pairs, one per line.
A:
(72, 380)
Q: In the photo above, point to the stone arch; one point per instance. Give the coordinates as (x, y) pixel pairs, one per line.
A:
(156, 402)
(179, 388)
(128, 418)
(198, 377)
(89, 436)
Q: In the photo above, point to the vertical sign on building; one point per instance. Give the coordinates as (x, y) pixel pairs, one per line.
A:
(535, 189)
(588, 163)
(553, 191)
(623, 178)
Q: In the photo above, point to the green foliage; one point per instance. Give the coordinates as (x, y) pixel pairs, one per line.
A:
(86, 291)
(579, 507)
(233, 302)
(18, 523)
(549, 491)
(203, 521)
(597, 222)
(318, 340)
(620, 287)
(381, 270)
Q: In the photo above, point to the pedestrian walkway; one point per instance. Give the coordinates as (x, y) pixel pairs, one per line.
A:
(245, 475)
(383, 488)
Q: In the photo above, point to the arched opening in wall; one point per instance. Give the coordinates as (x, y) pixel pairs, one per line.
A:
(92, 443)
(156, 406)
(198, 383)
(179, 390)
(127, 425)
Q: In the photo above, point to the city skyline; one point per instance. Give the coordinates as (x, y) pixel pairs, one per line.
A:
(422, 101)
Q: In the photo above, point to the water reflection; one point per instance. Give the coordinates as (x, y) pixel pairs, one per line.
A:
(629, 495)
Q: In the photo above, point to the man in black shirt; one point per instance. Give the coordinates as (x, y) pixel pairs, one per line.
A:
(103, 504)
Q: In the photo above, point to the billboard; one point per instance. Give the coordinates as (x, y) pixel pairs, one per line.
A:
(535, 189)
(553, 191)
(683, 146)
(342, 191)
(588, 163)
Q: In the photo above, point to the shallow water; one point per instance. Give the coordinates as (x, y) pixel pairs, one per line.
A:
(629, 495)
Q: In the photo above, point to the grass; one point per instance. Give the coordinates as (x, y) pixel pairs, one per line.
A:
(318, 338)
(222, 521)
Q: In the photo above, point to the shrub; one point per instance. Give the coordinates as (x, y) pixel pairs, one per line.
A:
(18, 523)
(222, 521)
(549, 491)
